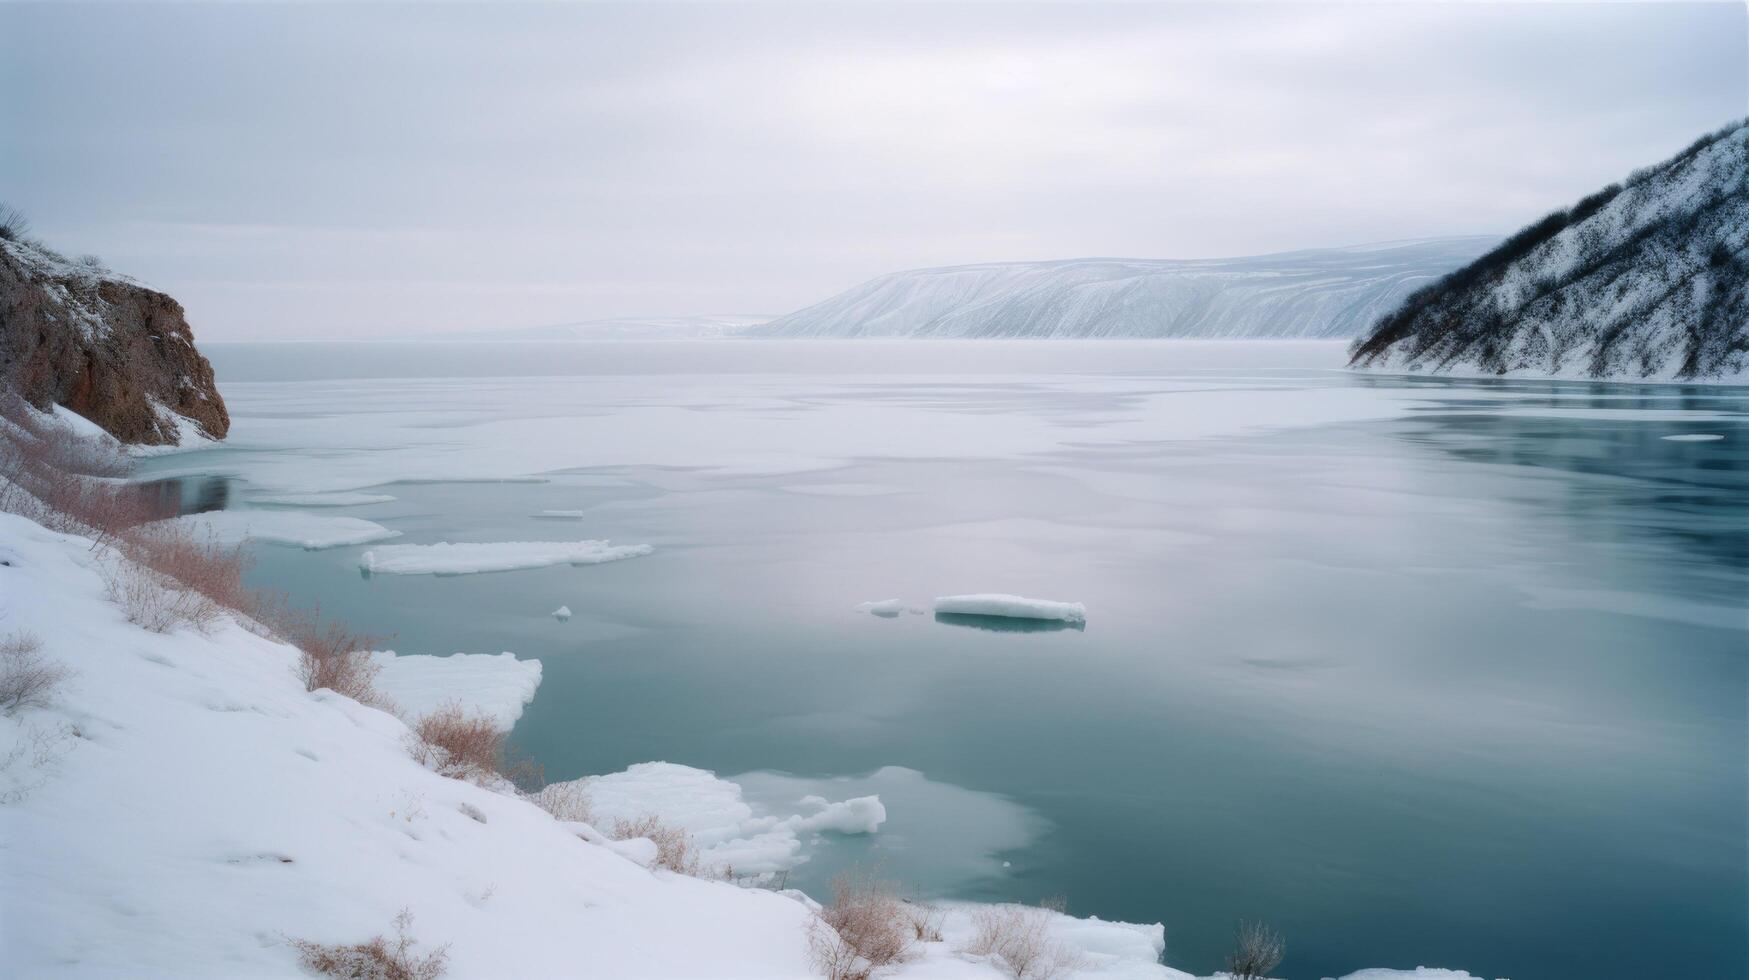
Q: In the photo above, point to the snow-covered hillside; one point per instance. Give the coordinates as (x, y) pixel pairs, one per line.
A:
(1648, 279)
(1319, 293)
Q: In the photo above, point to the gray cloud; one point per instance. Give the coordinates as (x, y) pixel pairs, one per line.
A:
(378, 170)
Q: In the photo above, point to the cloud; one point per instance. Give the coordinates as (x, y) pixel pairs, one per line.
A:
(366, 170)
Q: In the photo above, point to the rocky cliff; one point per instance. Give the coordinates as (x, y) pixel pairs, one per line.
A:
(1646, 279)
(116, 352)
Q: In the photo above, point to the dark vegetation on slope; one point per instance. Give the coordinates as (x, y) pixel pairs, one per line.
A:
(1681, 272)
(75, 334)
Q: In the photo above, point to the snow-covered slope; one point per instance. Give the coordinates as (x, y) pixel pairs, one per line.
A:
(1648, 279)
(1320, 293)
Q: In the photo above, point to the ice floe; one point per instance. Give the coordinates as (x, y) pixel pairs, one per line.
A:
(466, 558)
(560, 515)
(996, 604)
(287, 527)
(887, 608)
(729, 832)
(562, 613)
(1694, 437)
(495, 684)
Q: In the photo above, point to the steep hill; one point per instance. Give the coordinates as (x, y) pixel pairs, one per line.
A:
(1319, 293)
(1644, 279)
(74, 333)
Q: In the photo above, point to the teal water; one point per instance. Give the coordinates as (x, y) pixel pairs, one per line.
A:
(1421, 672)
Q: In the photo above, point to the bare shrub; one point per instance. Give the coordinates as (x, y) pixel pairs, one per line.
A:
(13, 224)
(378, 958)
(675, 850)
(154, 601)
(565, 801)
(33, 757)
(925, 921)
(459, 744)
(27, 678)
(1019, 937)
(330, 655)
(198, 562)
(1257, 950)
(866, 927)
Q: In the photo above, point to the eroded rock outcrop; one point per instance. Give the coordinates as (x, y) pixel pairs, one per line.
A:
(118, 353)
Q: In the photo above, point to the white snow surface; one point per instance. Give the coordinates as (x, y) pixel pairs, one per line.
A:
(1319, 293)
(1011, 606)
(445, 558)
(495, 685)
(184, 805)
(311, 531)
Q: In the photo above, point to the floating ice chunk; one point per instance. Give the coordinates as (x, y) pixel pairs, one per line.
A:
(1011, 607)
(340, 499)
(492, 556)
(287, 527)
(1694, 437)
(726, 829)
(887, 608)
(560, 515)
(562, 613)
(496, 685)
(862, 815)
(1419, 973)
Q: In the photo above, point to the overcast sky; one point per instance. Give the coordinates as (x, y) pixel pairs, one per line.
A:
(372, 171)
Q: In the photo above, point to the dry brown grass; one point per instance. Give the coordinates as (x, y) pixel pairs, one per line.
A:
(27, 678)
(565, 801)
(675, 850)
(925, 921)
(459, 744)
(330, 655)
(1257, 951)
(866, 927)
(378, 958)
(1019, 938)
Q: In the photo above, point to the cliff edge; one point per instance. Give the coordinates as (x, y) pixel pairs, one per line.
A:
(73, 333)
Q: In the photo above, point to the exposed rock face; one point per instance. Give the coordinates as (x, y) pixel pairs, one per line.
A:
(1648, 279)
(120, 354)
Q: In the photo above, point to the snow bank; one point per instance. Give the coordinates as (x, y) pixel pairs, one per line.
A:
(287, 527)
(494, 556)
(496, 685)
(343, 499)
(1011, 607)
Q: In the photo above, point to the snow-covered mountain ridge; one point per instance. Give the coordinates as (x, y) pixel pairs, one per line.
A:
(1647, 279)
(1319, 293)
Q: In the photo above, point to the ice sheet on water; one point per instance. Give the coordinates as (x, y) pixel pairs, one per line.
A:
(560, 515)
(343, 499)
(496, 685)
(466, 558)
(287, 527)
(728, 830)
(1694, 437)
(1011, 607)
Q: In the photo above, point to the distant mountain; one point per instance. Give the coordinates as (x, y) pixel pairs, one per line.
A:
(626, 328)
(1644, 279)
(1334, 292)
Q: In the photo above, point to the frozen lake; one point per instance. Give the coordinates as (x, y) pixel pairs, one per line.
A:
(1419, 671)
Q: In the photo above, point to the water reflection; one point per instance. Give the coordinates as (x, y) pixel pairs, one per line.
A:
(1007, 624)
(187, 495)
